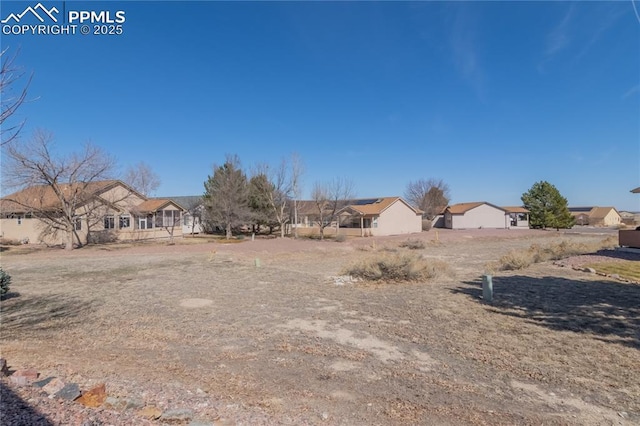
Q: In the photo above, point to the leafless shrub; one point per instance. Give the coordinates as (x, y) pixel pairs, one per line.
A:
(397, 268)
(340, 238)
(413, 244)
(10, 242)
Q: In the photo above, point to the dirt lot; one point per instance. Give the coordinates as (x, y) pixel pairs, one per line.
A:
(200, 326)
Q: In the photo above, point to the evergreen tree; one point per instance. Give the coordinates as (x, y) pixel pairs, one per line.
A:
(226, 196)
(547, 207)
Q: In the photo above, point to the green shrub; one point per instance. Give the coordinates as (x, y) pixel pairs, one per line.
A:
(5, 282)
(396, 267)
(412, 244)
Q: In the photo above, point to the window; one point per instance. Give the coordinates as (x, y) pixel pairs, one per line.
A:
(142, 222)
(19, 217)
(77, 223)
(124, 221)
(109, 222)
(167, 218)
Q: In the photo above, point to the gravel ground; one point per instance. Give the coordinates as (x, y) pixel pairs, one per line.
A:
(197, 326)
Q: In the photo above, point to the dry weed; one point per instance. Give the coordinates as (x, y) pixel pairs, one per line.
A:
(413, 244)
(397, 267)
(520, 259)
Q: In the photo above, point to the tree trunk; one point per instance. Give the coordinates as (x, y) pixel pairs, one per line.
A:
(282, 230)
(229, 235)
(321, 233)
(69, 244)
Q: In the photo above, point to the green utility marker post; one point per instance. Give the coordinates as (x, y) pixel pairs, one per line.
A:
(487, 288)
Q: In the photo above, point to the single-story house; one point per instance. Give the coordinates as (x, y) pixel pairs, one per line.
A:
(193, 214)
(104, 211)
(518, 217)
(596, 216)
(484, 215)
(363, 217)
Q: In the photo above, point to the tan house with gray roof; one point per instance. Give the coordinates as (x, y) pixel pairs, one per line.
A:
(104, 211)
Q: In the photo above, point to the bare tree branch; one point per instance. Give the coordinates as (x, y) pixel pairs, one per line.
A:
(10, 74)
(329, 198)
(430, 196)
(142, 178)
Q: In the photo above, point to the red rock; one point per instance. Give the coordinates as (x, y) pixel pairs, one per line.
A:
(29, 373)
(94, 397)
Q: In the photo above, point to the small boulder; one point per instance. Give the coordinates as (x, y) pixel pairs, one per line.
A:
(94, 397)
(177, 415)
(42, 383)
(70, 392)
(30, 373)
(150, 412)
(589, 270)
(54, 386)
(18, 380)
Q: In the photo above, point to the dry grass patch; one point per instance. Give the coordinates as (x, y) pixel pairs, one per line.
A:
(629, 269)
(397, 267)
(536, 253)
(413, 244)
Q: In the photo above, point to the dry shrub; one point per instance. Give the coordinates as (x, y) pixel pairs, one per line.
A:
(520, 259)
(413, 244)
(340, 238)
(10, 242)
(396, 267)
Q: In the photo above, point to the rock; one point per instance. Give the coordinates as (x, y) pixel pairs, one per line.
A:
(94, 397)
(589, 270)
(177, 415)
(18, 380)
(122, 404)
(70, 392)
(30, 373)
(150, 412)
(54, 386)
(615, 276)
(43, 383)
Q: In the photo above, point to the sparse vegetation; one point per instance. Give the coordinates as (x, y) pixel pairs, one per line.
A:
(628, 269)
(341, 238)
(5, 282)
(520, 259)
(397, 268)
(413, 244)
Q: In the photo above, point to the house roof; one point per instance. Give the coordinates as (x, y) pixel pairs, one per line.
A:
(155, 204)
(375, 206)
(462, 208)
(188, 201)
(43, 197)
(515, 209)
(601, 212)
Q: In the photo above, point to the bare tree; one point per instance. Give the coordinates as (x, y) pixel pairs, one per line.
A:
(430, 196)
(10, 101)
(227, 196)
(62, 188)
(329, 198)
(283, 185)
(142, 178)
(297, 169)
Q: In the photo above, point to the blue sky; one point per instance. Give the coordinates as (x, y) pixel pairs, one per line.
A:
(488, 96)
